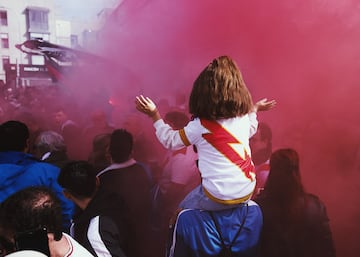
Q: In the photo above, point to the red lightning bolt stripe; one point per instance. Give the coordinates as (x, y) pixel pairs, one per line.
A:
(221, 140)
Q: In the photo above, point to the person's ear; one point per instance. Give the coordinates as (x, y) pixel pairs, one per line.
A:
(97, 182)
(107, 154)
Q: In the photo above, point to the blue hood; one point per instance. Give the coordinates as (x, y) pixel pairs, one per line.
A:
(20, 170)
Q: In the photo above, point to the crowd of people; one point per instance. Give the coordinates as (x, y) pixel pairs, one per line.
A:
(203, 185)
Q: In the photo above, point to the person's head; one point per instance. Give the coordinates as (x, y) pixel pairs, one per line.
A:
(100, 149)
(176, 119)
(261, 144)
(14, 136)
(49, 141)
(60, 116)
(220, 91)
(31, 209)
(284, 180)
(121, 145)
(78, 180)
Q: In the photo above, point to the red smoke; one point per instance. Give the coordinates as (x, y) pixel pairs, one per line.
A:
(303, 53)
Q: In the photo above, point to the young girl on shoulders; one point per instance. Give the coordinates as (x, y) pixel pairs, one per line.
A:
(224, 118)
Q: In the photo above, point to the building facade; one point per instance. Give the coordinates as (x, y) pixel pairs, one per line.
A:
(23, 20)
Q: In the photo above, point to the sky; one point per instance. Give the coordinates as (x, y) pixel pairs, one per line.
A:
(84, 9)
(303, 53)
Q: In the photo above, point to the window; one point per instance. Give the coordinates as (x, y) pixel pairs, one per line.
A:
(3, 18)
(4, 37)
(5, 60)
(74, 41)
(41, 36)
(37, 60)
(37, 19)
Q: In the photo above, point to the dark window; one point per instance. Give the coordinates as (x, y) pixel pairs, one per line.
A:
(3, 18)
(74, 41)
(37, 19)
(5, 61)
(4, 37)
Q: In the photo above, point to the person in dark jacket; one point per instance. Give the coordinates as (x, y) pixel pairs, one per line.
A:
(71, 132)
(295, 222)
(130, 180)
(101, 223)
(19, 170)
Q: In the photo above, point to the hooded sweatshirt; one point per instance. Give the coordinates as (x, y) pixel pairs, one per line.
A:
(20, 170)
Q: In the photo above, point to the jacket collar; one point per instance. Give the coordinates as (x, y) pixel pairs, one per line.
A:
(114, 166)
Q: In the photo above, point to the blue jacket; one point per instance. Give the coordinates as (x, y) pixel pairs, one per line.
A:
(19, 170)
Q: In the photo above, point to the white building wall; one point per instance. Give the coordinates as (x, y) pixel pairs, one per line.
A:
(16, 28)
(61, 24)
(63, 33)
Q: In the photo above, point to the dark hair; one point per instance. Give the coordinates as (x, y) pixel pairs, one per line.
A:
(30, 209)
(121, 144)
(13, 136)
(177, 119)
(220, 91)
(100, 145)
(284, 180)
(79, 178)
(101, 142)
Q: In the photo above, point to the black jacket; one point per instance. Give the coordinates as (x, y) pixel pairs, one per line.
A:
(103, 225)
(305, 233)
(131, 183)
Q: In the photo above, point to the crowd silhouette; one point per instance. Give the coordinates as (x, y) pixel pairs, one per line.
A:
(102, 189)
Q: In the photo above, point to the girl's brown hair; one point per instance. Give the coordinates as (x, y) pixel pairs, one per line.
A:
(220, 91)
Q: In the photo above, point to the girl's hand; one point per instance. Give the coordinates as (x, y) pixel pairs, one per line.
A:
(264, 105)
(145, 105)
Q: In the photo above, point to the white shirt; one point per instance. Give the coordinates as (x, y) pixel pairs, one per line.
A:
(76, 250)
(227, 172)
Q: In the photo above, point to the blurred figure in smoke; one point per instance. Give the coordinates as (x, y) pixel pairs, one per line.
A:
(99, 125)
(146, 148)
(180, 101)
(261, 148)
(50, 147)
(164, 105)
(100, 156)
(71, 133)
(295, 222)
